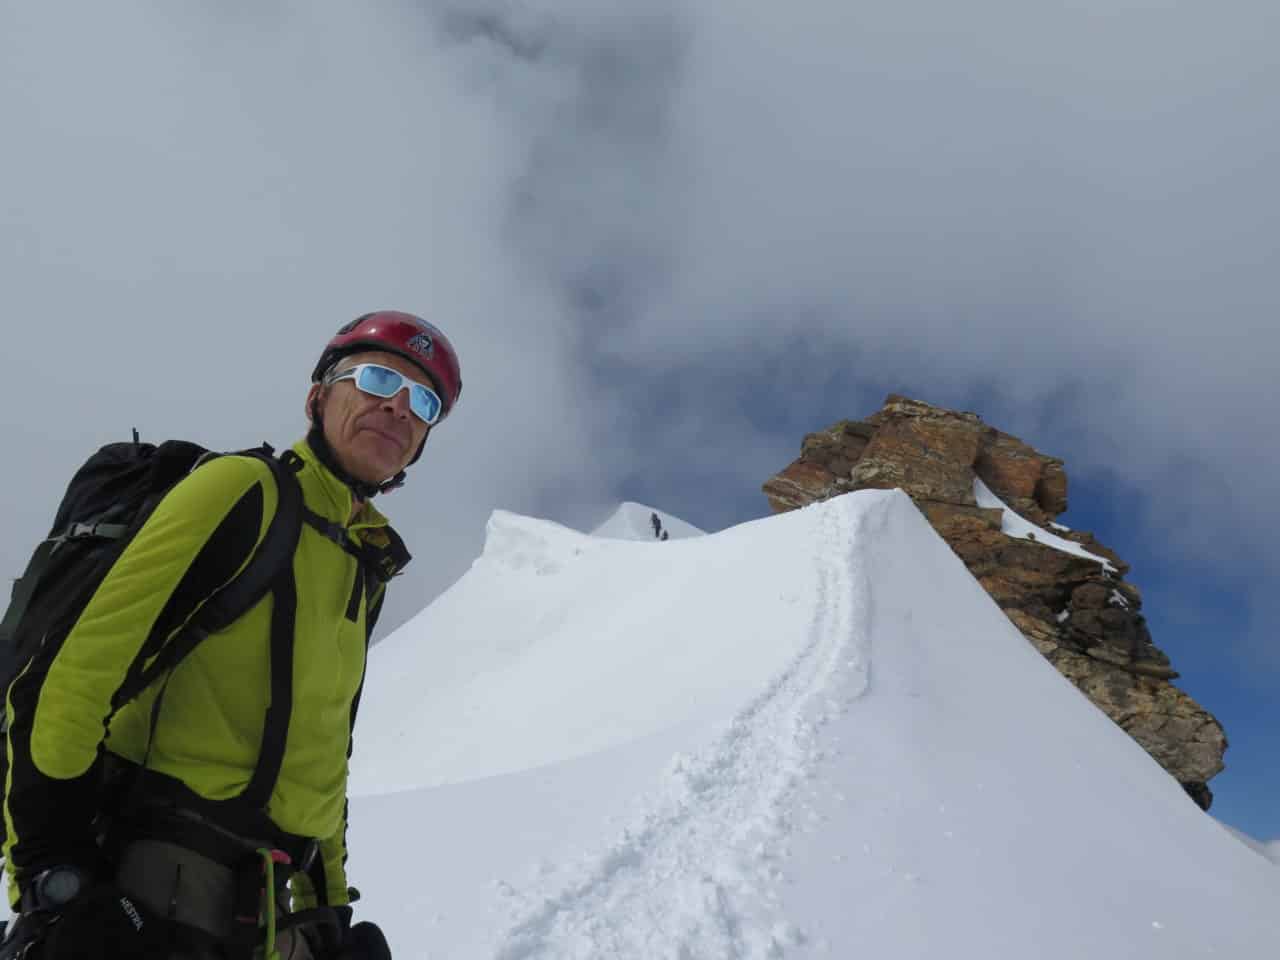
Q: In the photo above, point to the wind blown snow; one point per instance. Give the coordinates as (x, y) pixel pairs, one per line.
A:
(1015, 525)
(810, 735)
(1269, 849)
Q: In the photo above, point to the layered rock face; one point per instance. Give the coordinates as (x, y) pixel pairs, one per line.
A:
(1071, 602)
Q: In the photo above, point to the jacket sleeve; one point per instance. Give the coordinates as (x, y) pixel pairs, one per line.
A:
(197, 539)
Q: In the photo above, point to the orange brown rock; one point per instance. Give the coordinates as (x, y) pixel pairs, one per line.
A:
(1086, 620)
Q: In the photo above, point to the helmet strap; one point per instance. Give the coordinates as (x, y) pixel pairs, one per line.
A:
(395, 483)
(422, 446)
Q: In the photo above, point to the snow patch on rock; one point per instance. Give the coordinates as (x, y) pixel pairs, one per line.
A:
(1015, 525)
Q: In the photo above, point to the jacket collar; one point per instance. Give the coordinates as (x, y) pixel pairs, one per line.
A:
(334, 498)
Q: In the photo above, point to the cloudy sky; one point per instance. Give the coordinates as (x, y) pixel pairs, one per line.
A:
(669, 237)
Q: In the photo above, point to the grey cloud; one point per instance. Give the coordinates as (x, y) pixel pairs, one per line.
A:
(591, 95)
(1071, 202)
(469, 24)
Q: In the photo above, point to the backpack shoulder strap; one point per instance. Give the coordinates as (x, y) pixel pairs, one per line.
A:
(273, 556)
(275, 727)
(284, 589)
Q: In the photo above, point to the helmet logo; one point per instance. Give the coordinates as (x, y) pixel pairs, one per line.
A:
(423, 344)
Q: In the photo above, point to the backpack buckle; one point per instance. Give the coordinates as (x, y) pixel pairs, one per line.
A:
(101, 530)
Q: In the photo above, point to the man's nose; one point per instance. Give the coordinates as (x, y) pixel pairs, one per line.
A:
(398, 405)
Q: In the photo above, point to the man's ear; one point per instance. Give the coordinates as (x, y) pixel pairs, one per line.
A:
(313, 398)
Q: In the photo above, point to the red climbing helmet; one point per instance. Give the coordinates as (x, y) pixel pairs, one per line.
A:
(413, 338)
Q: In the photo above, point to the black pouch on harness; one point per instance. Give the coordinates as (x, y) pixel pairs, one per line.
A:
(105, 924)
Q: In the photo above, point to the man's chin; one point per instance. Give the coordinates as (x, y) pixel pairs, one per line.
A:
(381, 449)
(377, 461)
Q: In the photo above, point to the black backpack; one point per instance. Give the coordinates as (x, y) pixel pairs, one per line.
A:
(107, 502)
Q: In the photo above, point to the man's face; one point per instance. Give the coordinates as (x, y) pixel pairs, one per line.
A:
(373, 438)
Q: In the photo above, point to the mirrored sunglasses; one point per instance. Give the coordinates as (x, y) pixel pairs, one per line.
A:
(379, 381)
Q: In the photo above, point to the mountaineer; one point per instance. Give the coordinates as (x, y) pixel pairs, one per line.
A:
(177, 740)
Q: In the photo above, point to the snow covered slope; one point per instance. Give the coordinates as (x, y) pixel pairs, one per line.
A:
(808, 736)
(634, 521)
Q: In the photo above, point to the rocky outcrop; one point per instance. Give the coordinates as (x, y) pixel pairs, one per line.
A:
(1063, 589)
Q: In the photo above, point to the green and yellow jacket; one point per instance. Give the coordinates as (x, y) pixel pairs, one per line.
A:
(209, 725)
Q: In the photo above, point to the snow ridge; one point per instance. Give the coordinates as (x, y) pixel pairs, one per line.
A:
(634, 521)
(694, 874)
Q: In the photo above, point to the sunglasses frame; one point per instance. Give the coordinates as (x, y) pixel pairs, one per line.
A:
(406, 383)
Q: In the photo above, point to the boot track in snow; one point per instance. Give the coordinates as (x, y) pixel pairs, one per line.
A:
(695, 874)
